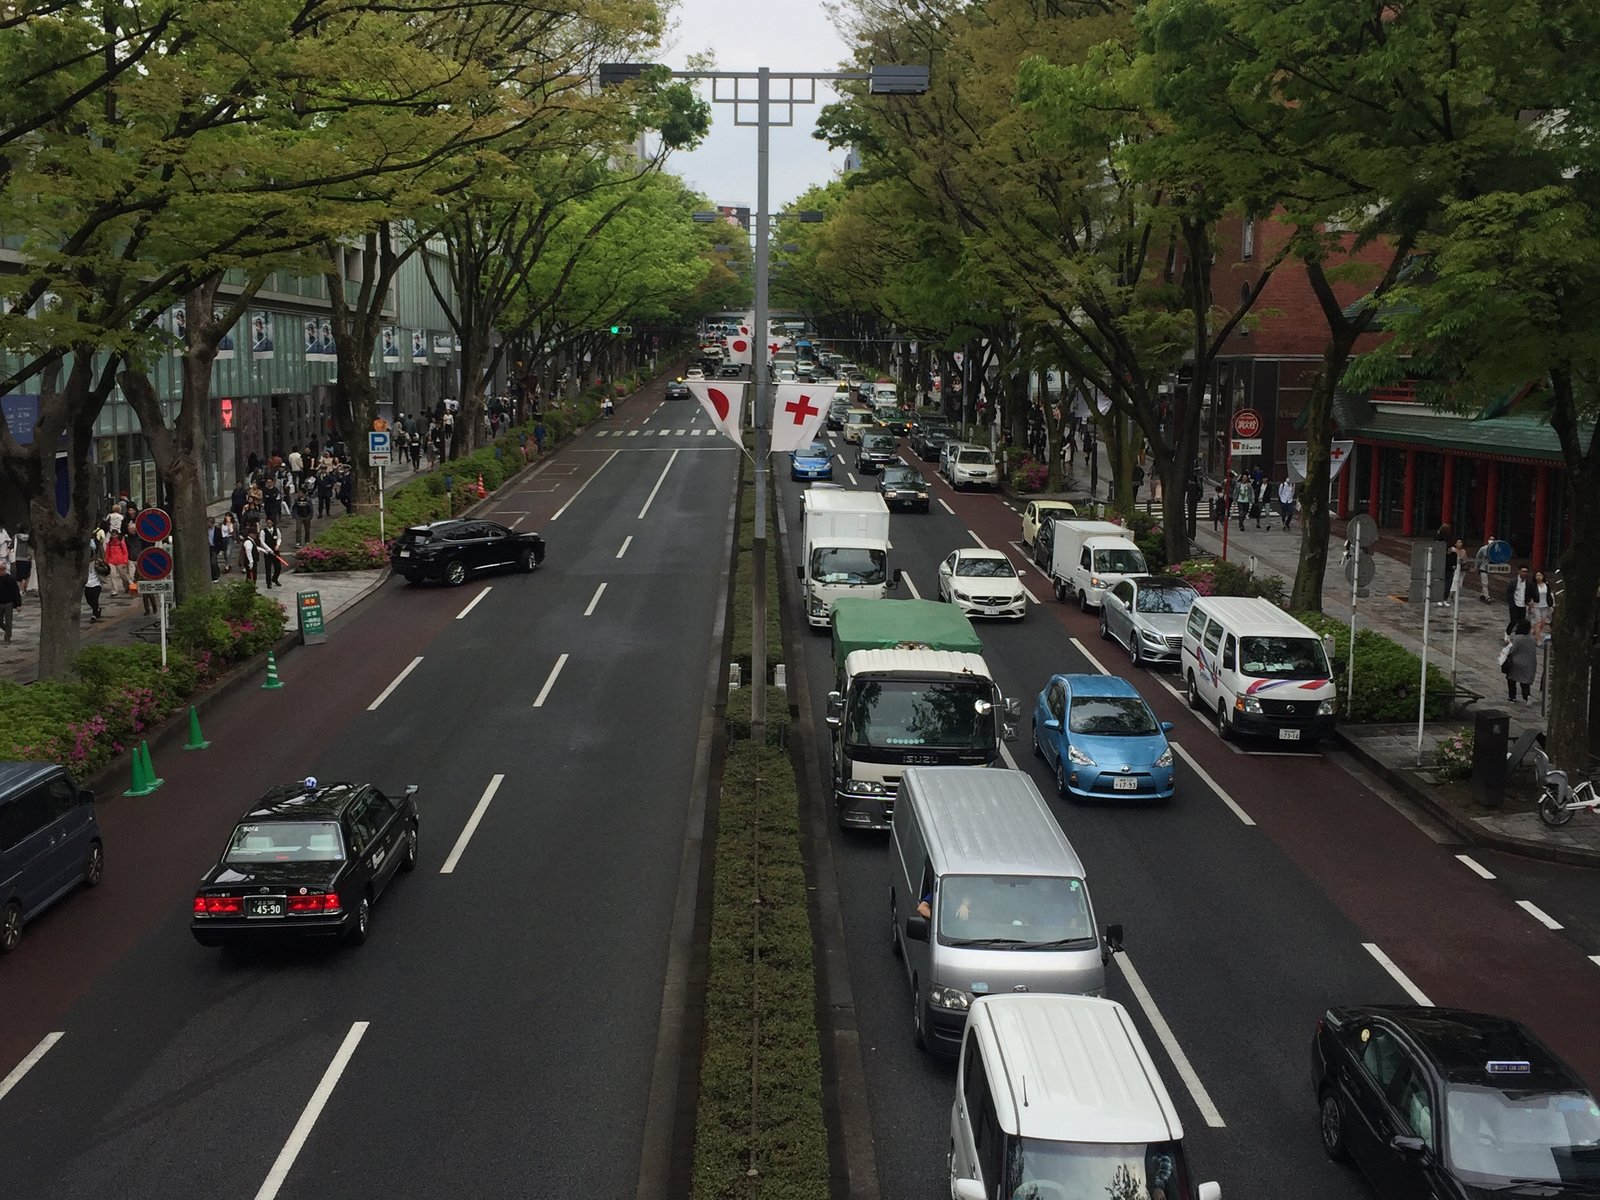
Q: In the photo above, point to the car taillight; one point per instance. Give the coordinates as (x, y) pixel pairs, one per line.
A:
(321, 903)
(210, 905)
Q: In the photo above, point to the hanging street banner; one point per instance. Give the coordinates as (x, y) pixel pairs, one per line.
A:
(1337, 457)
(797, 415)
(724, 402)
(739, 349)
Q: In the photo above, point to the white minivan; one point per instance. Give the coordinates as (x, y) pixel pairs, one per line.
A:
(1256, 670)
(1056, 1096)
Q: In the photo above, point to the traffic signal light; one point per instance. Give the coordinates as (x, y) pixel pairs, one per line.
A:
(616, 329)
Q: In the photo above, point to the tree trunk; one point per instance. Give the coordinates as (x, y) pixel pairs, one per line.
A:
(1316, 516)
(1573, 623)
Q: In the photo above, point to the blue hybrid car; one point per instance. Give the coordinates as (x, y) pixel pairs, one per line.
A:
(811, 462)
(1102, 740)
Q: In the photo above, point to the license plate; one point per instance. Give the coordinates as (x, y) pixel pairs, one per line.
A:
(1288, 735)
(1125, 783)
(264, 908)
(995, 612)
(405, 554)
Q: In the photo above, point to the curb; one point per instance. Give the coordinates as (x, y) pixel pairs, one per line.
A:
(1468, 831)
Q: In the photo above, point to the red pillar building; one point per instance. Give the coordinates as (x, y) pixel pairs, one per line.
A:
(1447, 500)
(1407, 523)
(1491, 498)
(1541, 516)
(1375, 461)
(1344, 493)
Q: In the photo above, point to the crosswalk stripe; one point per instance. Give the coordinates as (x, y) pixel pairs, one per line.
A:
(694, 433)
(633, 433)
(682, 432)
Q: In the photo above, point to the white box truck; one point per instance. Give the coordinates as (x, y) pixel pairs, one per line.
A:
(1087, 557)
(846, 540)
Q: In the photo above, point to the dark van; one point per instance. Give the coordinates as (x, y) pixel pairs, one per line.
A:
(49, 843)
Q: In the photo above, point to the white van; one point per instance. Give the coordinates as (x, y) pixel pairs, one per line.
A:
(1060, 1092)
(1256, 670)
(1008, 904)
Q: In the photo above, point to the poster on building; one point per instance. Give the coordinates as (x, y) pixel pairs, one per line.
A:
(177, 324)
(441, 345)
(1338, 454)
(314, 352)
(329, 347)
(419, 347)
(225, 345)
(391, 344)
(261, 334)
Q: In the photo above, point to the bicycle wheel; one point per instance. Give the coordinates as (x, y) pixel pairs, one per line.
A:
(1551, 811)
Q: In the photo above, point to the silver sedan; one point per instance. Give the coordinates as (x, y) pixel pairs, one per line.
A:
(1146, 617)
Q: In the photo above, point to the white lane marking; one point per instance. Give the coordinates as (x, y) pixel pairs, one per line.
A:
(1595, 959)
(626, 542)
(1539, 915)
(471, 826)
(664, 433)
(1005, 753)
(1028, 591)
(851, 478)
(28, 1063)
(604, 433)
(473, 603)
(549, 683)
(1180, 1060)
(1417, 994)
(589, 612)
(1205, 777)
(518, 521)
(651, 499)
(946, 506)
(398, 680)
(1476, 867)
(977, 539)
(633, 433)
(911, 587)
(1084, 650)
(585, 484)
(840, 457)
(696, 432)
(683, 432)
(313, 1110)
(647, 417)
(1174, 691)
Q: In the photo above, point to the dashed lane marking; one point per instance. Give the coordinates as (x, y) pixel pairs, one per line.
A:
(28, 1063)
(473, 603)
(977, 539)
(1539, 915)
(319, 1100)
(598, 592)
(584, 484)
(398, 680)
(471, 826)
(1473, 865)
(910, 587)
(946, 506)
(1168, 1039)
(651, 499)
(1084, 650)
(626, 542)
(549, 683)
(1205, 777)
(1417, 995)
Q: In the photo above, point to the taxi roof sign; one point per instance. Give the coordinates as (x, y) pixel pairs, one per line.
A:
(1508, 1067)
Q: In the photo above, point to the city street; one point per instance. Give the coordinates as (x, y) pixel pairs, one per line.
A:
(1274, 886)
(495, 1036)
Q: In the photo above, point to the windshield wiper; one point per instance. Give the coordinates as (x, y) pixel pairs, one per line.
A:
(992, 941)
(1060, 942)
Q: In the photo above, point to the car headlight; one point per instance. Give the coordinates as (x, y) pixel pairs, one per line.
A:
(1155, 639)
(1078, 757)
(1096, 581)
(1249, 704)
(1327, 708)
(868, 787)
(1166, 758)
(961, 596)
(948, 997)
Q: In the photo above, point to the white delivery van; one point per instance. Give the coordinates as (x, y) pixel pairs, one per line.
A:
(1008, 904)
(1087, 557)
(1254, 669)
(1056, 1096)
(846, 539)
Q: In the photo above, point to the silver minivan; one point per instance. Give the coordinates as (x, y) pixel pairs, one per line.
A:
(986, 896)
(49, 843)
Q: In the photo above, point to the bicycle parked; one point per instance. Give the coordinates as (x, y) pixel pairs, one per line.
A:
(1559, 799)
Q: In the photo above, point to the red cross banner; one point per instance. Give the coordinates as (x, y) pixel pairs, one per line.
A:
(724, 402)
(739, 349)
(797, 414)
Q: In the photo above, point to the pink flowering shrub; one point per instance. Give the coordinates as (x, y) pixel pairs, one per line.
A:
(1029, 475)
(1453, 758)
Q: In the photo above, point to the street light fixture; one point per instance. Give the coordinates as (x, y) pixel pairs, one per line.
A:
(880, 81)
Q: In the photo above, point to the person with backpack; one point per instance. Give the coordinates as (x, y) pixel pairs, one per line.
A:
(302, 518)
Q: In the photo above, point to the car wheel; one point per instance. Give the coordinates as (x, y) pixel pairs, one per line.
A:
(363, 924)
(1083, 601)
(1105, 631)
(527, 560)
(456, 573)
(409, 862)
(1061, 591)
(1061, 779)
(919, 1028)
(1332, 1125)
(1037, 748)
(94, 866)
(10, 927)
(1222, 722)
(1136, 658)
(894, 931)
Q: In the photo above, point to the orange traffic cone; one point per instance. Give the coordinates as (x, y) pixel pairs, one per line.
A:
(482, 491)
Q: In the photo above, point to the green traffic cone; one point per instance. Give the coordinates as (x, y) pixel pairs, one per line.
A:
(141, 781)
(196, 742)
(272, 672)
(149, 768)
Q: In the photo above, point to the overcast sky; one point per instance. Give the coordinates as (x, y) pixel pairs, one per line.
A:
(788, 35)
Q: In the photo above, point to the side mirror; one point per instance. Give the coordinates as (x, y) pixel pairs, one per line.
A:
(1410, 1147)
(835, 708)
(411, 789)
(1114, 938)
(1208, 1191)
(1052, 724)
(85, 796)
(894, 580)
(800, 572)
(970, 1189)
(1167, 727)
(917, 928)
(1014, 708)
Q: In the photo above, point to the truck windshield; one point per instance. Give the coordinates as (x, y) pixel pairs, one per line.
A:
(1119, 560)
(1283, 658)
(848, 564)
(1014, 912)
(892, 714)
(1137, 1171)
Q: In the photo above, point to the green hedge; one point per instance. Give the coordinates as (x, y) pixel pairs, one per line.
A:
(1216, 577)
(1387, 675)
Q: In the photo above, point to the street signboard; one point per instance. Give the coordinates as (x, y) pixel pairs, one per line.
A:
(154, 563)
(309, 606)
(378, 442)
(1363, 529)
(1244, 445)
(1362, 569)
(152, 524)
(1499, 551)
(155, 587)
(1247, 424)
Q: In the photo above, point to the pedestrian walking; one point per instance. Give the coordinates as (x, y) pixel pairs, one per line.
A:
(347, 485)
(1138, 482)
(1242, 495)
(22, 560)
(10, 598)
(8, 546)
(1517, 600)
(1286, 502)
(227, 533)
(269, 540)
(214, 547)
(91, 590)
(1480, 563)
(117, 560)
(237, 499)
(1446, 561)
(414, 444)
(1541, 606)
(247, 556)
(539, 435)
(1460, 552)
(1258, 497)
(302, 518)
(325, 490)
(1519, 660)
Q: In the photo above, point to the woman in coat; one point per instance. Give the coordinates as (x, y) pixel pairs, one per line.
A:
(1521, 663)
(1541, 603)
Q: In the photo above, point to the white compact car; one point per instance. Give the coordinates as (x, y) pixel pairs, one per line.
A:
(982, 583)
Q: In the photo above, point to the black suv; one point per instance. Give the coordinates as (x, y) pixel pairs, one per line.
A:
(454, 550)
(928, 439)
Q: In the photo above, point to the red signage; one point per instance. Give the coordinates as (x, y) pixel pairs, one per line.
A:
(1247, 423)
(227, 412)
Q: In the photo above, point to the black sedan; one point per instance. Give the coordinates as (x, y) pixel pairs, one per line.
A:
(730, 371)
(1454, 1105)
(678, 390)
(307, 863)
(904, 487)
(929, 438)
(455, 550)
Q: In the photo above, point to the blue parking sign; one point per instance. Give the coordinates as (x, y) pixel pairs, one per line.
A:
(378, 442)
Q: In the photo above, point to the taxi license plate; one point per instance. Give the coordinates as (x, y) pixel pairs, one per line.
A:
(269, 907)
(1288, 735)
(1125, 783)
(405, 554)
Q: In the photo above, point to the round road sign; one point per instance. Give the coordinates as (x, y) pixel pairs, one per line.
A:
(155, 563)
(1499, 552)
(1247, 423)
(1363, 529)
(1362, 568)
(152, 524)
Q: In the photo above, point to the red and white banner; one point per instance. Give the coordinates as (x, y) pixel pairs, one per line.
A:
(745, 329)
(739, 349)
(797, 414)
(724, 402)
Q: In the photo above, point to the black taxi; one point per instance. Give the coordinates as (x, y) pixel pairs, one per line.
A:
(1437, 1102)
(308, 861)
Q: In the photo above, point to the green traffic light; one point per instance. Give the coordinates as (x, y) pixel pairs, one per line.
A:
(616, 329)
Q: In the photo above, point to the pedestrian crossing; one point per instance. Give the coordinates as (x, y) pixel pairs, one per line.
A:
(617, 433)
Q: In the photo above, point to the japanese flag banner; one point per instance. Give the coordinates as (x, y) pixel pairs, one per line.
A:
(724, 402)
(797, 415)
(745, 330)
(739, 349)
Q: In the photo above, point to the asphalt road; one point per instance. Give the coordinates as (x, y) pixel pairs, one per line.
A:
(495, 1035)
(1241, 933)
